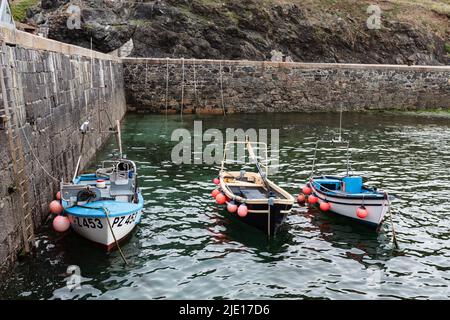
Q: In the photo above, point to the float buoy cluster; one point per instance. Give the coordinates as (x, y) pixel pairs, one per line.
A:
(302, 197)
(232, 207)
(60, 223)
(306, 195)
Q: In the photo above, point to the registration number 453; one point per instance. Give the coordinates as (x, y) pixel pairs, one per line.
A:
(96, 223)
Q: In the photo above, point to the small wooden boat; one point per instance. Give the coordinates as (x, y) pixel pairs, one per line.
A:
(254, 199)
(104, 206)
(345, 195)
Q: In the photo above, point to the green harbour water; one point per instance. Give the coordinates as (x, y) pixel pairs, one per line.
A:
(187, 247)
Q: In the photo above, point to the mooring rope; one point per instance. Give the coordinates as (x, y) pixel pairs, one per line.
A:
(394, 234)
(35, 157)
(146, 74)
(182, 86)
(167, 83)
(110, 228)
(114, 236)
(221, 87)
(195, 85)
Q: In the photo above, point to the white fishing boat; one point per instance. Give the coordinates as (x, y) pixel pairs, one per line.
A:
(104, 206)
(345, 194)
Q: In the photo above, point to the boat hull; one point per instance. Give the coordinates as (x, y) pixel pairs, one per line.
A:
(347, 207)
(91, 221)
(259, 217)
(97, 229)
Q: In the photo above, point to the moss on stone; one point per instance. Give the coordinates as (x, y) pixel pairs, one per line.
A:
(19, 9)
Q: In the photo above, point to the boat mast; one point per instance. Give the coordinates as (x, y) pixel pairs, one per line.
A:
(83, 129)
(119, 139)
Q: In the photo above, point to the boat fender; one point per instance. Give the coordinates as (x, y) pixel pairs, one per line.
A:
(325, 206)
(56, 207)
(232, 207)
(306, 190)
(362, 212)
(301, 198)
(215, 192)
(221, 199)
(216, 181)
(61, 223)
(242, 211)
(312, 199)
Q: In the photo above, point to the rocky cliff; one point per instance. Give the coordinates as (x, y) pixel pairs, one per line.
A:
(411, 32)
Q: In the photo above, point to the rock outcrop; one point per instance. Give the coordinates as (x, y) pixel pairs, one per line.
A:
(308, 31)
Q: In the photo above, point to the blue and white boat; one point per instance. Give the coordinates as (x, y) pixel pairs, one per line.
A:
(349, 197)
(104, 206)
(346, 194)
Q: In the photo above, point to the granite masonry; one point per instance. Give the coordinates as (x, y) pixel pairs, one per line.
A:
(209, 86)
(49, 89)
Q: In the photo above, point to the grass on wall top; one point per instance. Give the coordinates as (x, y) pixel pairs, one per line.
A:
(19, 8)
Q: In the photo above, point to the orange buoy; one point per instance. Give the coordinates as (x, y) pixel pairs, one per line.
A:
(301, 198)
(306, 190)
(58, 195)
(216, 181)
(325, 206)
(312, 199)
(215, 192)
(56, 207)
(242, 211)
(362, 212)
(221, 199)
(232, 207)
(61, 223)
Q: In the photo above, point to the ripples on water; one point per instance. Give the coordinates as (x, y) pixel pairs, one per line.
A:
(186, 248)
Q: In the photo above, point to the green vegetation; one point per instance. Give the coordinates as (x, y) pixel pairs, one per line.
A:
(19, 9)
(447, 47)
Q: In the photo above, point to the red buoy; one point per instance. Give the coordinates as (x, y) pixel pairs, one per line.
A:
(216, 181)
(215, 192)
(312, 199)
(221, 199)
(306, 190)
(61, 224)
(232, 207)
(56, 207)
(325, 206)
(362, 212)
(301, 198)
(242, 210)
(58, 195)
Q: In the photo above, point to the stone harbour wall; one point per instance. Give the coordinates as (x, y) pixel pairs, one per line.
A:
(197, 86)
(50, 88)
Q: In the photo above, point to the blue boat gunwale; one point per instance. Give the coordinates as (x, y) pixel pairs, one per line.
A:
(96, 207)
(97, 211)
(373, 195)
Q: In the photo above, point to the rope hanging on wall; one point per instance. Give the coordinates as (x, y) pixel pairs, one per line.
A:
(221, 88)
(195, 85)
(182, 86)
(167, 83)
